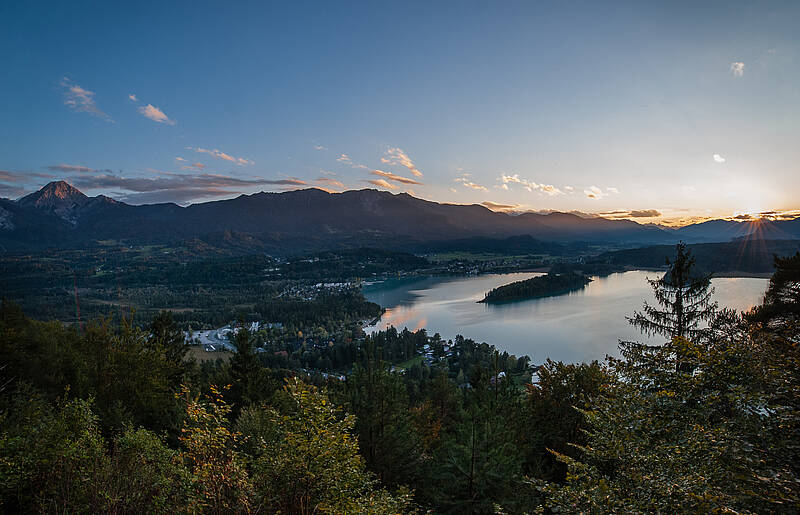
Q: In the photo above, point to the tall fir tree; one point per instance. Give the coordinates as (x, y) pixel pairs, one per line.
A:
(684, 300)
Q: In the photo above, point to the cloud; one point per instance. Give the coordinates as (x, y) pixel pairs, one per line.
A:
(394, 177)
(719, 159)
(500, 207)
(17, 179)
(737, 68)
(396, 156)
(180, 160)
(196, 166)
(222, 155)
(466, 182)
(644, 213)
(633, 213)
(177, 187)
(81, 100)
(320, 147)
(531, 186)
(154, 113)
(70, 168)
(11, 191)
(330, 181)
(133, 98)
(344, 158)
(5, 175)
(382, 184)
(593, 192)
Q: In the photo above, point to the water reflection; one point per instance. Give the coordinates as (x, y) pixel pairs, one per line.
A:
(579, 326)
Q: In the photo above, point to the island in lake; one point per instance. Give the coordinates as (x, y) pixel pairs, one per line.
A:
(542, 286)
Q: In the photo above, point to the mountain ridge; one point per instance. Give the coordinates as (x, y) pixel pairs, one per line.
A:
(60, 215)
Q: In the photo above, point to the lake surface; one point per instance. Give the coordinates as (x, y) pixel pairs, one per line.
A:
(579, 326)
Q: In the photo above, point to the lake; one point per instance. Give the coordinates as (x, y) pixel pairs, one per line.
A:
(579, 326)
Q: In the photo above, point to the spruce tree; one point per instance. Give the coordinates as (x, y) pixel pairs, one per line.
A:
(684, 300)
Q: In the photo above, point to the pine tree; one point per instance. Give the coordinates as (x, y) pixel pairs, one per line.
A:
(684, 297)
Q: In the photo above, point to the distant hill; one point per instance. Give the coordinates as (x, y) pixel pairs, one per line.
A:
(61, 216)
(748, 255)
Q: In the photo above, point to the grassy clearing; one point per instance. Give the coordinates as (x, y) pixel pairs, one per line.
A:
(198, 354)
(416, 360)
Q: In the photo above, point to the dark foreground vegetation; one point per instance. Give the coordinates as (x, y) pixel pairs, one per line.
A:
(111, 418)
(537, 287)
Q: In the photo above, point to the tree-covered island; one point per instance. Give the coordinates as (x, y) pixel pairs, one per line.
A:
(536, 287)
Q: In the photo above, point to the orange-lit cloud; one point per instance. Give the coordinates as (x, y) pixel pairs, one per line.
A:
(81, 100)
(531, 186)
(331, 182)
(593, 192)
(154, 113)
(222, 155)
(632, 213)
(500, 207)
(467, 183)
(382, 184)
(394, 177)
(396, 156)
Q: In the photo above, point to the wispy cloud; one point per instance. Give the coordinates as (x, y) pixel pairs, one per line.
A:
(8, 176)
(644, 213)
(737, 68)
(241, 161)
(593, 192)
(132, 98)
(632, 213)
(344, 158)
(320, 147)
(70, 168)
(81, 100)
(382, 184)
(500, 207)
(154, 113)
(467, 183)
(177, 187)
(394, 177)
(396, 156)
(18, 181)
(331, 182)
(719, 159)
(547, 189)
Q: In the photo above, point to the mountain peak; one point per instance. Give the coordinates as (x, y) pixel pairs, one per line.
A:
(60, 197)
(62, 190)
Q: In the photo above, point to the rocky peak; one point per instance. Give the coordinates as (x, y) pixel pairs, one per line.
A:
(59, 197)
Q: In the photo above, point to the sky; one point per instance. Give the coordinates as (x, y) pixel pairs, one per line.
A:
(656, 111)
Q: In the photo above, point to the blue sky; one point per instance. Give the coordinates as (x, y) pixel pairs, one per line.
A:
(631, 108)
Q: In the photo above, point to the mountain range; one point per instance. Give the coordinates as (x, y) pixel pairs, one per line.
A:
(61, 216)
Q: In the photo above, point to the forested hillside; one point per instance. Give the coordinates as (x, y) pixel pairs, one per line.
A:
(109, 418)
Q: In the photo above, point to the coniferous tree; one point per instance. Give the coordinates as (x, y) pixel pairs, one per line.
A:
(684, 298)
(165, 332)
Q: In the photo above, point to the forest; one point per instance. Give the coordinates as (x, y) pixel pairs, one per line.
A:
(111, 417)
(535, 287)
